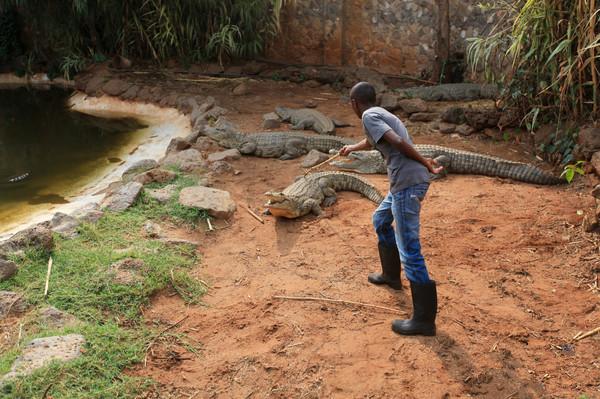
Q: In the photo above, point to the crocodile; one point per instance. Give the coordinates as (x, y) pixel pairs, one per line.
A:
(454, 161)
(309, 193)
(453, 92)
(14, 179)
(306, 118)
(282, 145)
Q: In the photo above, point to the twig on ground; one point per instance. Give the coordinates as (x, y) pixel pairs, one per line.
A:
(321, 164)
(45, 394)
(153, 341)
(581, 336)
(210, 226)
(48, 277)
(341, 301)
(254, 215)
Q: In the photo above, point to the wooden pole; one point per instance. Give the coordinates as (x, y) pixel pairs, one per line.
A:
(48, 277)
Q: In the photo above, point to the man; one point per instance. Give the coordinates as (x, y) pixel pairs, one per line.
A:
(408, 174)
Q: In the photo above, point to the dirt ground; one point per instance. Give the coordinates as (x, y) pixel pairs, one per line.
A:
(517, 279)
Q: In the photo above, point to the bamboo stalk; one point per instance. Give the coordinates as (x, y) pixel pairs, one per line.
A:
(48, 277)
(321, 164)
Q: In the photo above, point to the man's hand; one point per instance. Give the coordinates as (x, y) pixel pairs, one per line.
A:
(361, 145)
(433, 166)
(347, 149)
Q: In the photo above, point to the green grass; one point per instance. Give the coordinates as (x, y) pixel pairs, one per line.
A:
(110, 313)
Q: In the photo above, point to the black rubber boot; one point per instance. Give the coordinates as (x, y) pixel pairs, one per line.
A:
(390, 266)
(424, 298)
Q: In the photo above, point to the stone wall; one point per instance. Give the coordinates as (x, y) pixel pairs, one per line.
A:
(391, 36)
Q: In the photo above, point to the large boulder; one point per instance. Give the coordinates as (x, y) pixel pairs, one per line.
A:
(423, 117)
(65, 225)
(89, 213)
(589, 141)
(122, 196)
(39, 237)
(163, 195)
(413, 105)
(7, 269)
(595, 162)
(218, 203)
(389, 101)
(158, 175)
(11, 303)
(42, 351)
(314, 157)
(186, 160)
(178, 144)
(454, 115)
(137, 168)
(482, 118)
(271, 121)
(226, 155)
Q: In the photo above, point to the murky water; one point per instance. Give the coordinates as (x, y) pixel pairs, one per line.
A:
(48, 153)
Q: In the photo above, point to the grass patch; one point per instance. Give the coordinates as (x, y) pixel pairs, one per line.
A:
(82, 285)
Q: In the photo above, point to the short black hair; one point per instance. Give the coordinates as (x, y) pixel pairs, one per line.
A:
(364, 93)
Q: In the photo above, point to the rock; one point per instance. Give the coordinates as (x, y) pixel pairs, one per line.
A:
(42, 351)
(151, 230)
(7, 269)
(314, 157)
(413, 105)
(446, 128)
(127, 271)
(221, 167)
(95, 84)
(137, 168)
(218, 203)
(163, 195)
(131, 93)
(455, 115)
(312, 84)
(186, 160)
(253, 68)
(494, 134)
(115, 87)
(205, 144)
(155, 176)
(545, 135)
(465, 130)
(423, 117)
(271, 121)
(11, 303)
(54, 318)
(122, 197)
(89, 213)
(64, 224)
(233, 153)
(481, 118)
(241, 90)
(310, 104)
(192, 137)
(178, 144)
(589, 141)
(390, 101)
(39, 237)
(596, 191)
(595, 162)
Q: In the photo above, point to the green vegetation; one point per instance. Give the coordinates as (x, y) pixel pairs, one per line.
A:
(62, 33)
(110, 313)
(546, 55)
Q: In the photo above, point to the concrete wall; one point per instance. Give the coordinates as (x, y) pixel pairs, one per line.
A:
(391, 36)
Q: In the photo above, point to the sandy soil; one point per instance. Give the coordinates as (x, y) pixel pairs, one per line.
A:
(517, 279)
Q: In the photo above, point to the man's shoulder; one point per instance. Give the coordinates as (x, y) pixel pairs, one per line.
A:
(379, 113)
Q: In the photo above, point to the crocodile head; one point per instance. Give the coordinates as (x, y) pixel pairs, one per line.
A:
(368, 162)
(284, 113)
(223, 133)
(280, 205)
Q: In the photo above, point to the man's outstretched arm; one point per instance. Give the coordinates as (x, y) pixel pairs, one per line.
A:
(360, 146)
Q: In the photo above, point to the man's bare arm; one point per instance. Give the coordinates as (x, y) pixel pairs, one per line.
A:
(391, 137)
(360, 146)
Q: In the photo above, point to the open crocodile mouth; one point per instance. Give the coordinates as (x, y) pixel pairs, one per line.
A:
(281, 206)
(351, 162)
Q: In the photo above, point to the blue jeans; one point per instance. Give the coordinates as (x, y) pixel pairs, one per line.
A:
(404, 208)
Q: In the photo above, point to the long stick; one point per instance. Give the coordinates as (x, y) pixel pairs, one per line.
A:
(321, 164)
(364, 305)
(254, 215)
(48, 277)
(579, 337)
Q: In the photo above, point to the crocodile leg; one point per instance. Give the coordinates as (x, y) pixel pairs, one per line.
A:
(293, 149)
(248, 148)
(303, 124)
(330, 197)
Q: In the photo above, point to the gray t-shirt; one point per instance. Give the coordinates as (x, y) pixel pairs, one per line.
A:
(403, 172)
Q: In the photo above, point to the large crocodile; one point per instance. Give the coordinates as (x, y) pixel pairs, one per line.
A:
(454, 161)
(453, 92)
(282, 145)
(306, 118)
(309, 193)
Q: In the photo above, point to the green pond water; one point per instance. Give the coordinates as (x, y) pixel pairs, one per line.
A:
(48, 153)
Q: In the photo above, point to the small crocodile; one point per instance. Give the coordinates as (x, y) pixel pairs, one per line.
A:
(308, 193)
(306, 118)
(14, 180)
(454, 161)
(282, 145)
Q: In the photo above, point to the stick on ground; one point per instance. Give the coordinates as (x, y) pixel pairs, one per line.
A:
(580, 336)
(254, 215)
(364, 305)
(48, 277)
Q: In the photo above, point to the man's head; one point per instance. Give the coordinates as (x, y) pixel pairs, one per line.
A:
(363, 97)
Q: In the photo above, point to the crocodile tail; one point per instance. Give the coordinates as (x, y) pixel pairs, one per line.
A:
(350, 182)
